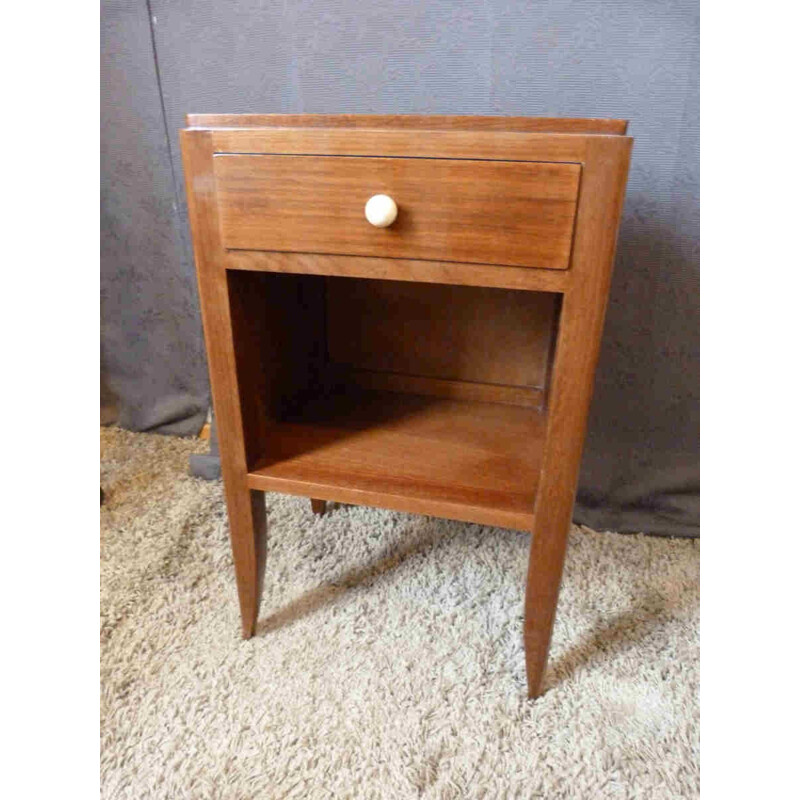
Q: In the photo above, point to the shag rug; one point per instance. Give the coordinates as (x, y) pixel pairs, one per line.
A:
(388, 661)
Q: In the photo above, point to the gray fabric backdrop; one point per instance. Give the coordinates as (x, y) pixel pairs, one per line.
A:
(636, 60)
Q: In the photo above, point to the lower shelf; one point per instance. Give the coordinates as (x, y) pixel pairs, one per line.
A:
(466, 460)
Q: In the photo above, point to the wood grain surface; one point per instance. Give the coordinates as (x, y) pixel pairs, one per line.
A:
(495, 212)
(570, 391)
(455, 333)
(410, 122)
(400, 269)
(453, 458)
(246, 511)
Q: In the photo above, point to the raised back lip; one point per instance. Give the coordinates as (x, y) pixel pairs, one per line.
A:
(452, 122)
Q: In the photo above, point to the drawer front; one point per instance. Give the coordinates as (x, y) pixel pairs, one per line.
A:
(515, 213)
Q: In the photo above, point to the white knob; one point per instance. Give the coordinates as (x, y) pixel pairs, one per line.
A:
(380, 210)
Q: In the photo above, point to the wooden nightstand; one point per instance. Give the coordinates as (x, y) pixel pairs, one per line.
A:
(437, 357)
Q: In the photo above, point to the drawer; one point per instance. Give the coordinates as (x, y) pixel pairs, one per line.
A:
(516, 213)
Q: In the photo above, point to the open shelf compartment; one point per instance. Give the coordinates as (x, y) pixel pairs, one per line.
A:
(365, 392)
(460, 459)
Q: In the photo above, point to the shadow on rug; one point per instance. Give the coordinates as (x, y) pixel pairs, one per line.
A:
(388, 658)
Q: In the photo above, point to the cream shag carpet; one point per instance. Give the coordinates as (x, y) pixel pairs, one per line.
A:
(388, 661)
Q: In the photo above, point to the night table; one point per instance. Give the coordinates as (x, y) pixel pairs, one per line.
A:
(405, 312)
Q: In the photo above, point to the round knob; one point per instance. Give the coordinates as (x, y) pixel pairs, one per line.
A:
(380, 210)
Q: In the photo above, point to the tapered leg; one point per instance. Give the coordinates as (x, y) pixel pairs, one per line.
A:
(236, 334)
(546, 563)
(318, 506)
(580, 326)
(248, 525)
